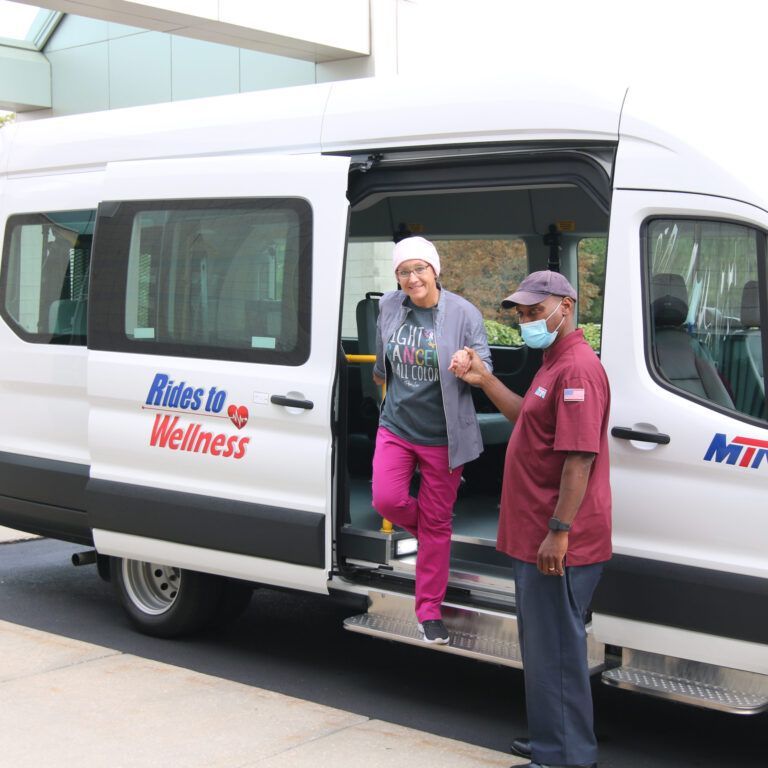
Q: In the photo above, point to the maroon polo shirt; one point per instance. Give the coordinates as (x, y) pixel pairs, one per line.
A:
(565, 409)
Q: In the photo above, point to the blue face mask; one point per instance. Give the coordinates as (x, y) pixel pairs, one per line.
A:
(536, 334)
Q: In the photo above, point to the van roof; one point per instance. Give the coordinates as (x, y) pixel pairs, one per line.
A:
(368, 114)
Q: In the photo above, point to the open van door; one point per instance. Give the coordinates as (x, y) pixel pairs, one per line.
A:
(213, 332)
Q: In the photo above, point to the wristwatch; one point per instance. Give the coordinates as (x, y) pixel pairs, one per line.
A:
(558, 525)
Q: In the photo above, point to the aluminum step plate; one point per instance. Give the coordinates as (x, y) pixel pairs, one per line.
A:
(694, 683)
(486, 636)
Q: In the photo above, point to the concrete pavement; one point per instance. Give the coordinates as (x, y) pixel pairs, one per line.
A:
(7, 534)
(66, 702)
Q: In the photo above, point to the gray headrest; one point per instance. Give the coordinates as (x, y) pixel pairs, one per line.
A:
(750, 305)
(669, 300)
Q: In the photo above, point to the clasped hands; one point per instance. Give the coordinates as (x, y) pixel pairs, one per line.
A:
(467, 365)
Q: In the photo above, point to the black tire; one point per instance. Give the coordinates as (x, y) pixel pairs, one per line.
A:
(164, 601)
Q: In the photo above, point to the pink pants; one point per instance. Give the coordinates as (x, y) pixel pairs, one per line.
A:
(428, 517)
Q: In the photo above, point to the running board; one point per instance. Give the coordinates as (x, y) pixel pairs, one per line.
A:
(690, 682)
(484, 635)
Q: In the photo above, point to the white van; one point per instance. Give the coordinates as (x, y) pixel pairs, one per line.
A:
(185, 292)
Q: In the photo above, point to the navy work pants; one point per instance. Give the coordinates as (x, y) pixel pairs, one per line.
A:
(551, 613)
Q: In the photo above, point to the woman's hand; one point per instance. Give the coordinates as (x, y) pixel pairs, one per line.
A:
(469, 367)
(460, 363)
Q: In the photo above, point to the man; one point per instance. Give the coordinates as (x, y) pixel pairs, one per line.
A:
(555, 514)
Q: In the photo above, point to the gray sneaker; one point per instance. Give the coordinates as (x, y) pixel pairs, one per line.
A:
(434, 631)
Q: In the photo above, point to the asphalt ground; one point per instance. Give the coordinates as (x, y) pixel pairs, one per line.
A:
(294, 644)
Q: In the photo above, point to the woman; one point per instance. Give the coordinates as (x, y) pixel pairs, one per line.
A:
(427, 418)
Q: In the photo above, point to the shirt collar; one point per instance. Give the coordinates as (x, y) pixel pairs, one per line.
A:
(562, 345)
(439, 306)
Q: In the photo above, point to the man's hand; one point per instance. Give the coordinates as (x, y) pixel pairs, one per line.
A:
(552, 553)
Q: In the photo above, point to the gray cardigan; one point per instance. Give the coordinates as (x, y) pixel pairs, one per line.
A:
(458, 324)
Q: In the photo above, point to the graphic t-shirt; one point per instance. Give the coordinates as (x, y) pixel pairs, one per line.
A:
(413, 408)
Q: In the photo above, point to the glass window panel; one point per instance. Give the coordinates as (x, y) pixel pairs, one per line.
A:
(705, 310)
(218, 277)
(46, 264)
(26, 25)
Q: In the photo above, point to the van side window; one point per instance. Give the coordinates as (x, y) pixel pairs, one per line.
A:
(706, 303)
(224, 279)
(44, 278)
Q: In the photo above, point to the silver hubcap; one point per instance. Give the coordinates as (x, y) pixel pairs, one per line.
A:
(153, 588)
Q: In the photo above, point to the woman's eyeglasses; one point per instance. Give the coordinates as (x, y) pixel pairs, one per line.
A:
(404, 274)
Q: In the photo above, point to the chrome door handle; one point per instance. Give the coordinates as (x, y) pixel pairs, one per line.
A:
(290, 402)
(626, 433)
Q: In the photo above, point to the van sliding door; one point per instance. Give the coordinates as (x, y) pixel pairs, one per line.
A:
(212, 351)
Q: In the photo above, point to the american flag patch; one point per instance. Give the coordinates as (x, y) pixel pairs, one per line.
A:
(573, 395)
(540, 392)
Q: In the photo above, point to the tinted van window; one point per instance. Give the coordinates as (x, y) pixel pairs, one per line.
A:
(44, 279)
(226, 279)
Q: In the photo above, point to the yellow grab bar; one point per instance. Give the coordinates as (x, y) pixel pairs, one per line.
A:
(386, 525)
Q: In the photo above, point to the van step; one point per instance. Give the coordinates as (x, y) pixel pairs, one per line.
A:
(689, 682)
(484, 635)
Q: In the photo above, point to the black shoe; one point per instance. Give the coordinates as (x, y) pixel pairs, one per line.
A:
(434, 631)
(521, 747)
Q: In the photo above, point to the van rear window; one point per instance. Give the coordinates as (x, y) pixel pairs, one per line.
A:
(44, 279)
(224, 279)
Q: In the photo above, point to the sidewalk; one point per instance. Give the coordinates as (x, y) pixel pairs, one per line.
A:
(7, 534)
(66, 702)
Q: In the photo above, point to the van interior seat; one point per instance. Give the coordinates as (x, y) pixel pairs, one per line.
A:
(743, 356)
(61, 313)
(67, 317)
(367, 314)
(682, 359)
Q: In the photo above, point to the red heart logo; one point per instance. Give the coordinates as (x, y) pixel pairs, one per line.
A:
(238, 414)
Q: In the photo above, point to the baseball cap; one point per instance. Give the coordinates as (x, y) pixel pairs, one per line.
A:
(537, 286)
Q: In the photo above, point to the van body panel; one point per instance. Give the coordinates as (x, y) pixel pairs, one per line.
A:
(279, 460)
(44, 497)
(280, 120)
(679, 643)
(43, 406)
(694, 599)
(383, 114)
(258, 530)
(691, 511)
(235, 566)
(651, 158)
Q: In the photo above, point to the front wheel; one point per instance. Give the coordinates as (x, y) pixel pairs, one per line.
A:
(165, 601)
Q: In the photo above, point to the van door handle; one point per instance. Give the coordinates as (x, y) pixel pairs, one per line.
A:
(290, 402)
(625, 433)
